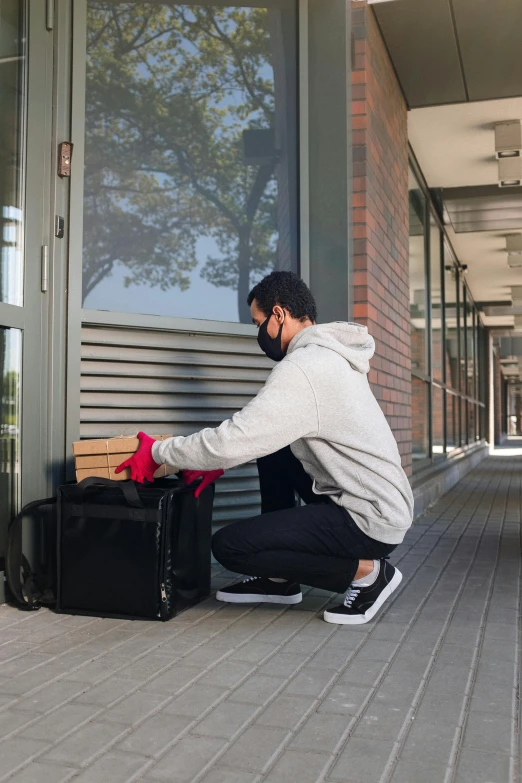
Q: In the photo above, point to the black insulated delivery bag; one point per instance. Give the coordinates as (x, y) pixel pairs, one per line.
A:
(125, 550)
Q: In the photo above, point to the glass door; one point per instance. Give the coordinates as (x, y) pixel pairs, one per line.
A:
(25, 109)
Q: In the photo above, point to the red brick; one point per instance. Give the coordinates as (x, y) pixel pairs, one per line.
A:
(381, 243)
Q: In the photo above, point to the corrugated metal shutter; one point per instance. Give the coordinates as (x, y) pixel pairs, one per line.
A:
(172, 382)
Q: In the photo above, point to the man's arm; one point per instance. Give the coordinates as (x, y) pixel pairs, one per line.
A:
(283, 411)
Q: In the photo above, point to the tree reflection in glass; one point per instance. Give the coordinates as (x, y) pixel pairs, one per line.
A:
(190, 155)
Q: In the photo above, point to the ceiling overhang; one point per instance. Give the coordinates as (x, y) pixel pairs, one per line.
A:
(459, 64)
(453, 51)
(455, 148)
(483, 208)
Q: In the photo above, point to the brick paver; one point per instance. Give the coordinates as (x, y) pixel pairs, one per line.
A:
(427, 692)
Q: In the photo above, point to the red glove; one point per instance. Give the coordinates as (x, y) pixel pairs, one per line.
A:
(142, 466)
(209, 476)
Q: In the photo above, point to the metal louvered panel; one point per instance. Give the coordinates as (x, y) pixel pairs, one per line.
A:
(172, 382)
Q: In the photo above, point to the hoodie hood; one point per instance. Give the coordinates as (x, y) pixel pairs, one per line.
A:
(350, 340)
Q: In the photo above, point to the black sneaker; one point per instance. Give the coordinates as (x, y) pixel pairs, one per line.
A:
(256, 589)
(362, 603)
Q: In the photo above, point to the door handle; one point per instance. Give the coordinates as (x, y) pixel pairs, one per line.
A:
(44, 268)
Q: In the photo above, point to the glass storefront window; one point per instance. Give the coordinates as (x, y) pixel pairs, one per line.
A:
(436, 301)
(446, 375)
(477, 365)
(417, 204)
(437, 418)
(451, 326)
(10, 369)
(472, 421)
(190, 155)
(12, 111)
(462, 338)
(452, 422)
(463, 422)
(470, 343)
(420, 440)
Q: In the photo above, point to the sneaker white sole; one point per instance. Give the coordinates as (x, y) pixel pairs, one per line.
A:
(360, 619)
(245, 598)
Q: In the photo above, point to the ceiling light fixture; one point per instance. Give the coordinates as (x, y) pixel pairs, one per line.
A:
(514, 244)
(509, 172)
(516, 295)
(508, 139)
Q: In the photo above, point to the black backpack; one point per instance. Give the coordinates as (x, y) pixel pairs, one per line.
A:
(113, 548)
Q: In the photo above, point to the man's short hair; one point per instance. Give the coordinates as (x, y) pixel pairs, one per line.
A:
(287, 290)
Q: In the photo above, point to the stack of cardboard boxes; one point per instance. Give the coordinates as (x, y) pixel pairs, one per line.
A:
(100, 457)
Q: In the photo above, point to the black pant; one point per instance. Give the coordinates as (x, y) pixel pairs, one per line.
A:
(318, 544)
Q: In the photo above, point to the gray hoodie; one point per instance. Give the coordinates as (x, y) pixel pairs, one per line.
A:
(318, 400)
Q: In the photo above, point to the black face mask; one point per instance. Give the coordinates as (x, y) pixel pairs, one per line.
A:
(271, 345)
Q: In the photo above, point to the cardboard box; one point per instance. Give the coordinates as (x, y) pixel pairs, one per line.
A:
(102, 460)
(101, 457)
(120, 445)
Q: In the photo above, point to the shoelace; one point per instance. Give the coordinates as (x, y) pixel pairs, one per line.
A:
(350, 597)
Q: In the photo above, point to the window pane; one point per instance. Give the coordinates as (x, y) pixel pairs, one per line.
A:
(482, 364)
(190, 155)
(12, 107)
(10, 365)
(417, 277)
(463, 423)
(420, 419)
(470, 341)
(436, 300)
(452, 422)
(452, 347)
(462, 338)
(471, 421)
(477, 356)
(438, 421)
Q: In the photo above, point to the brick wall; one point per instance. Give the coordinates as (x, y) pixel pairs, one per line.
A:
(380, 216)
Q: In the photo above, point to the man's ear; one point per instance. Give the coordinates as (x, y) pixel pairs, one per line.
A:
(279, 313)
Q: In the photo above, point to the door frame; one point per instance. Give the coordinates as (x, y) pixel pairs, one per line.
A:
(33, 317)
(35, 345)
(42, 317)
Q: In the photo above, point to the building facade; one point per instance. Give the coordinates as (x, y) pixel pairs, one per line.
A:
(213, 142)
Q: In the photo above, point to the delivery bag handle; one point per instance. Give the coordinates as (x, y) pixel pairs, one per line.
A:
(127, 487)
(16, 562)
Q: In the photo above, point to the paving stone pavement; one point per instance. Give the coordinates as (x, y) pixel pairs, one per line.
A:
(425, 693)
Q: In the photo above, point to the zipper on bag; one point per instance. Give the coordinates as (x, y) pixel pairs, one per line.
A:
(164, 606)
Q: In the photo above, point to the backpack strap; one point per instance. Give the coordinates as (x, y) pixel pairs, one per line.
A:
(20, 577)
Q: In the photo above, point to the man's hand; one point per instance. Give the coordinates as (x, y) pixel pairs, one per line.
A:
(209, 476)
(142, 466)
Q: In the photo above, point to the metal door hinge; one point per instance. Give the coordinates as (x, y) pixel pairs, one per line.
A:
(49, 15)
(44, 268)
